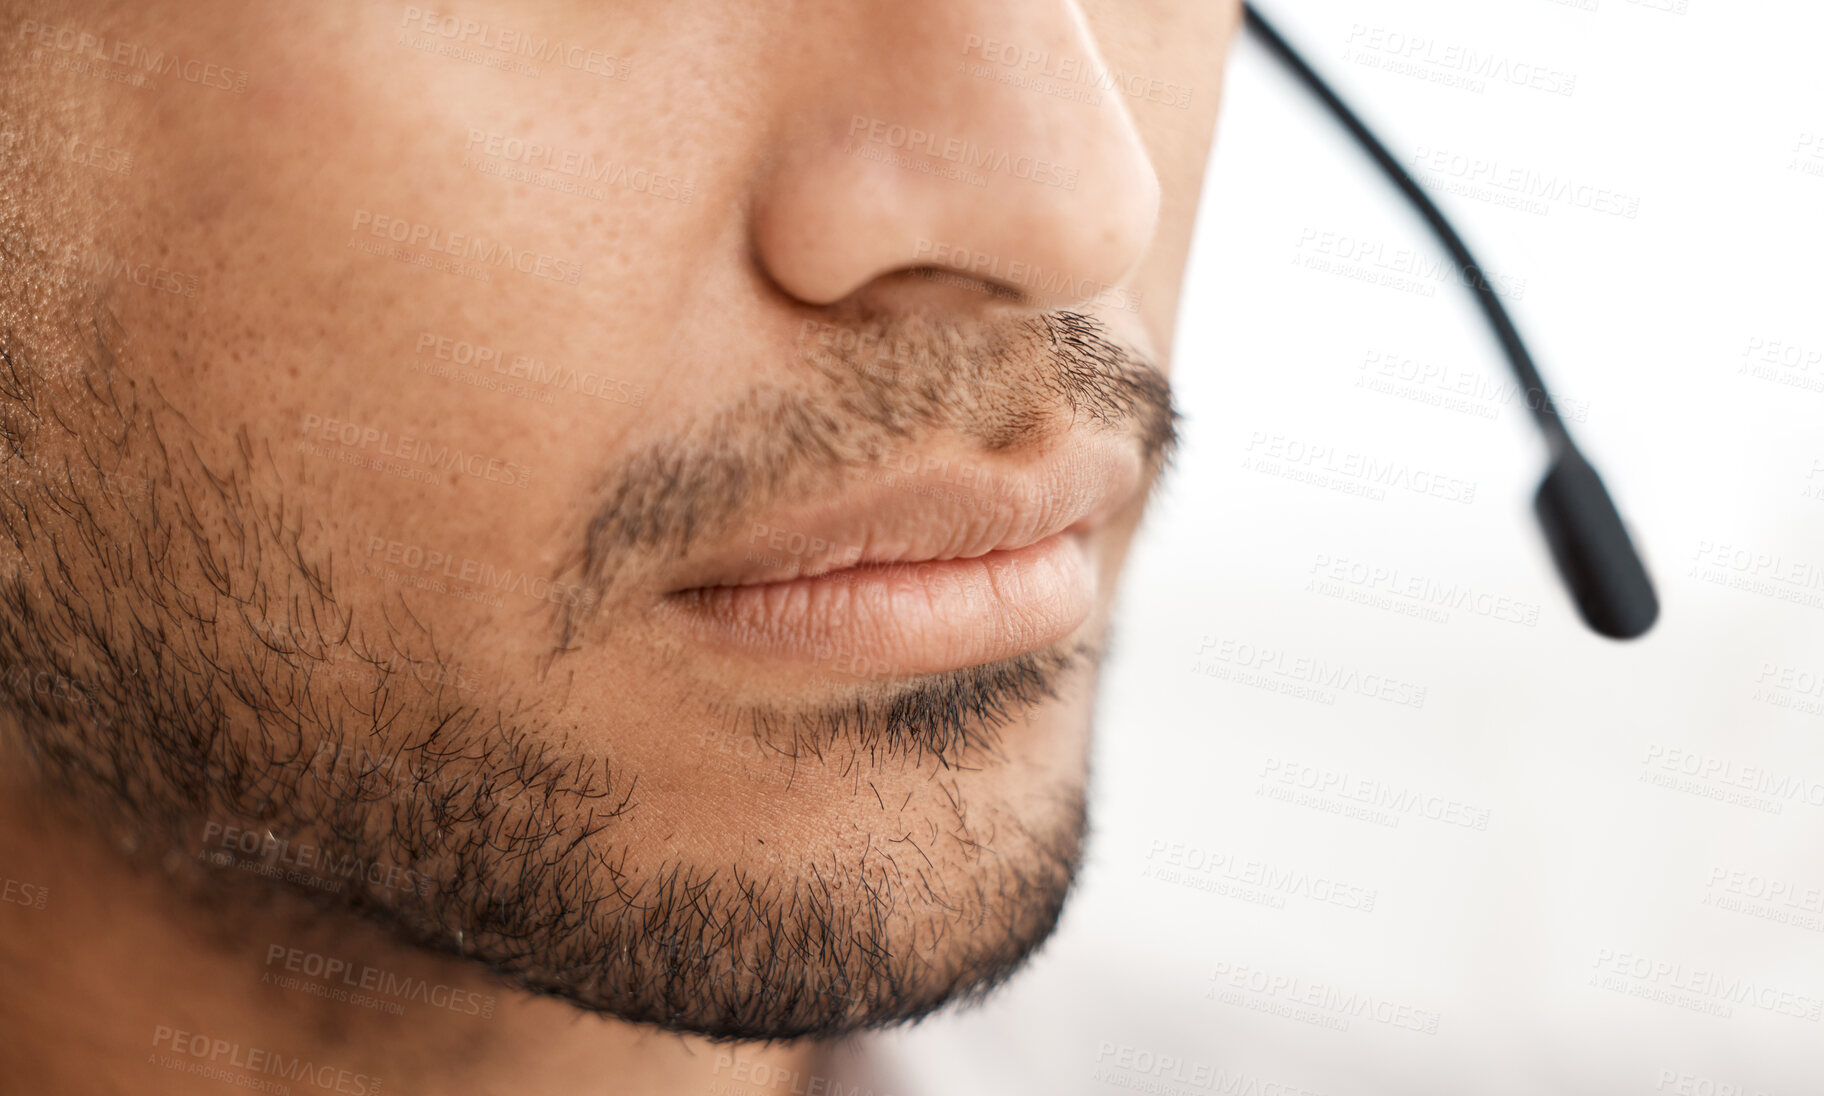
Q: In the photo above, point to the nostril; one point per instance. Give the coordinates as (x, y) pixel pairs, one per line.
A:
(990, 286)
(962, 180)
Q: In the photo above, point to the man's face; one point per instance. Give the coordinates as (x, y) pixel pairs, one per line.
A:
(643, 482)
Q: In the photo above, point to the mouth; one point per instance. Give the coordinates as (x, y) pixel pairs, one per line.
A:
(914, 570)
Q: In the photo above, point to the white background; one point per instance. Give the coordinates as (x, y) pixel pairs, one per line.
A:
(1649, 326)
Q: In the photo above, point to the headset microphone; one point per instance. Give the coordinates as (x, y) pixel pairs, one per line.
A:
(1588, 540)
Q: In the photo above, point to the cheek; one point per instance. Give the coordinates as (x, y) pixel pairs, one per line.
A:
(434, 358)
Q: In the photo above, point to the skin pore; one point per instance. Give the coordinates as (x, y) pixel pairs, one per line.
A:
(393, 405)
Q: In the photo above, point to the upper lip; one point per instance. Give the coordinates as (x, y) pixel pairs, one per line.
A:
(948, 508)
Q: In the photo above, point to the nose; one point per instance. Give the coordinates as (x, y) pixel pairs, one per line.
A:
(981, 135)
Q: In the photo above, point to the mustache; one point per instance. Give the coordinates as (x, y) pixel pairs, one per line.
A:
(885, 381)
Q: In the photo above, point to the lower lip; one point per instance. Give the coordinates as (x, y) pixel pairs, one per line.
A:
(892, 619)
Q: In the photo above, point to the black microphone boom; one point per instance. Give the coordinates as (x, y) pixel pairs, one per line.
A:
(1587, 537)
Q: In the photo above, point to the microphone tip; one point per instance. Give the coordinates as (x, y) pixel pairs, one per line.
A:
(1590, 545)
